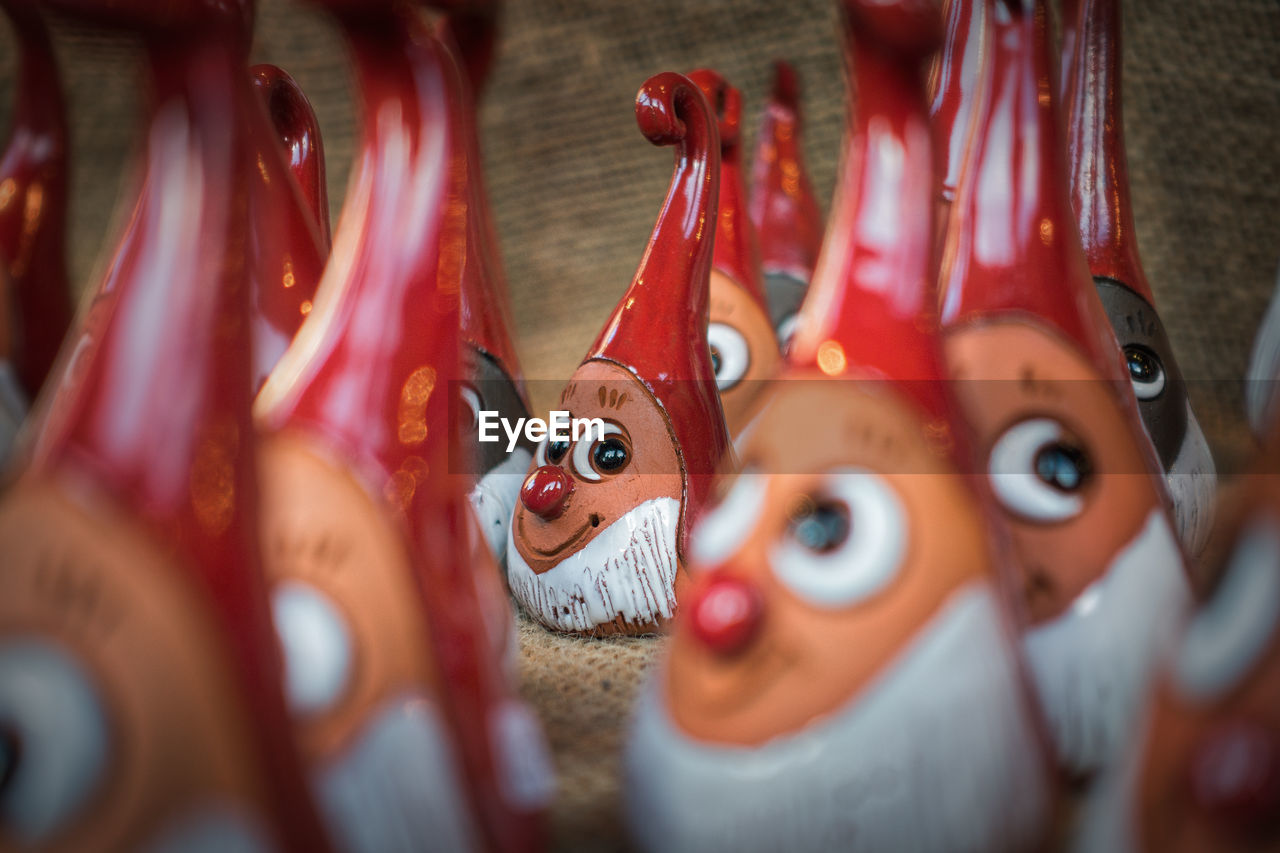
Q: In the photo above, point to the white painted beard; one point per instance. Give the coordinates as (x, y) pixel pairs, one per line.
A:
(1193, 486)
(493, 499)
(939, 753)
(628, 570)
(397, 787)
(1093, 664)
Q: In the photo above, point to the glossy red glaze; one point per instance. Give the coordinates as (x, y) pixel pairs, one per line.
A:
(473, 28)
(394, 273)
(1068, 20)
(1235, 776)
(726, 613)
(161, 422)
(1013, 249)
(33, 204)
(783, 209)
(956, 89)
(1095, 144)
(872, 307)
(735, 253)
(658, 331)
(545, 491)
(299, 132)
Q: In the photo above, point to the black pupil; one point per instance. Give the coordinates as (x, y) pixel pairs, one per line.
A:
(822, 528)
(556, 450)
(715, 361)
(1062, 466)
(610, 455)
(1143, 366)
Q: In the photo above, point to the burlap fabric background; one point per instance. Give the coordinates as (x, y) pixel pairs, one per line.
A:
(576, 189)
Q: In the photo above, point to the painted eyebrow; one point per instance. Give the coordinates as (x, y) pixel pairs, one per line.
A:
(1028, 382)
(610, 398)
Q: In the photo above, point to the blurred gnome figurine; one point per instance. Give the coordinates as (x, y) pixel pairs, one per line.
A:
(1204, 772)
(843, 655)
(597, 544)
(744, 349)
(786, 216)
(413, 736)
(1100, 186)
(140, 698)
(1047, 393)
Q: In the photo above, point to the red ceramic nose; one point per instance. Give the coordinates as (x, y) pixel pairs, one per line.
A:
(726, 614)
(1235, 775)
(545, 491)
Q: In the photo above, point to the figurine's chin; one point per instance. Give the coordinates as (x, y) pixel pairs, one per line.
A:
(1092, 665)
(1193, 484)
(624, 578)
(397, 786)
(938, 753)
(494, 499)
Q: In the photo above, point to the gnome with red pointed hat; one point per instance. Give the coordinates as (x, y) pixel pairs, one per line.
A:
(955, 78)
(140, 680)
(1047, 393)
(1104, 211)
(597, 544)
(786, 217)
(744, 349)
(845, 655)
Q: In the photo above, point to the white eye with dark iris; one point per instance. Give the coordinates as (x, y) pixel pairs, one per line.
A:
(1145, 372)
(722, 531)
(845, 540)
(53, 739)
(471, 397)
(1038, 471)
(608, 454)
(730, 357)
(551, 452)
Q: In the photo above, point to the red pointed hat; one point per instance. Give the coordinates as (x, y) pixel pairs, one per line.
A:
(735, 253)
(1012, 245)
(958, 74)
(871, 311)
(161, 422)
(1095, 143)
(658, 332)
(33, 213)
(785, 214)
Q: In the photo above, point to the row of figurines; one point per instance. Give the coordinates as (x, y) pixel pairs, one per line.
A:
(875, 649)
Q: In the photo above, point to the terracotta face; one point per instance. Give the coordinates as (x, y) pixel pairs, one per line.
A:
(609, 495)
(121, 718)
(840, 601)
(744, 350)
(359, 677)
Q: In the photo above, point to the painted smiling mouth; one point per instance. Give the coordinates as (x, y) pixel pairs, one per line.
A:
(579, 534)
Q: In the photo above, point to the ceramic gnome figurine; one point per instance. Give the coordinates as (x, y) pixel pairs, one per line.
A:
(785, 214)
(744, 348)
(844, 655)
(495, 381)
(1100, 184)
(597, 544)
(298, 131)
(1204, 772)
(414, 738)
(1046, 391)
(33, 221)
(955, 78)
(139, 675)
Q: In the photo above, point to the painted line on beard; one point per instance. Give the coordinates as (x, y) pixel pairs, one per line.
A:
(1193, 485)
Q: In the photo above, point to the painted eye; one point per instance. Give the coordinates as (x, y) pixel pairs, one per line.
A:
(1038, 472)
(729, 355)
(787, 331)
(471, 397)
(1145, 372)
(317, 647)
(844, 542)
(1229, 633)
(608, 454)
(552, 452)
(722, 531)
(56, 739)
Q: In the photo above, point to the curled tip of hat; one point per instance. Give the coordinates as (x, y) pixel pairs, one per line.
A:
(725, 100)
(786, 86)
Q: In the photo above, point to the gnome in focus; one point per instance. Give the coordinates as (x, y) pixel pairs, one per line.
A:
(597, 543)
(786, 216)
(1046, 391)
(744, 349)
(1204, 771)
(1104, 211)
(843, 655)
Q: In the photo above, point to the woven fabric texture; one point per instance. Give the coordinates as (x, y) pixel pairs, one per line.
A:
(576, 189)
